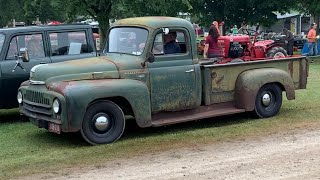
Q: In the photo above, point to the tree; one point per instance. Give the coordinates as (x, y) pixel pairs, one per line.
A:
(98, 9)
(311, 7)
(10, 9)
(235, 11)
(44, 9)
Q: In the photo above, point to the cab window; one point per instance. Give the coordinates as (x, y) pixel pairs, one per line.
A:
(173, 42)
(69, 43)
(33, 43)
(1, 42)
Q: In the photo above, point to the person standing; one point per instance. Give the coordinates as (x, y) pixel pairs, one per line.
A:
(289, 41)
(211, 48)
(312, 37)
(234, 30)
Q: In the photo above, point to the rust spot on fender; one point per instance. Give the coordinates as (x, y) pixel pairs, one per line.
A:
(290, 68)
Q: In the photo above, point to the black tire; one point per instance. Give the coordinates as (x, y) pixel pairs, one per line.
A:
(265, 108)
(276, 51)
(111, 126)
(236, 61)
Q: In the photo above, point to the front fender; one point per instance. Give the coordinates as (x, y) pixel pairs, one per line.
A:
(79, 94)
(249, 82)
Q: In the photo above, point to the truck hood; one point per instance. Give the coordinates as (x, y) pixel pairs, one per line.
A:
(90, 68)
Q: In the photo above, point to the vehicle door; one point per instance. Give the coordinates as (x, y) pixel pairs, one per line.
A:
(70, 45)
(14, 70)
(172, 76)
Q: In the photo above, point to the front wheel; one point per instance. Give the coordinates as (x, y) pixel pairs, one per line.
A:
(268, 101)
(103, 123)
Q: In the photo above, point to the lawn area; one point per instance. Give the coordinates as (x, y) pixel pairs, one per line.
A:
(26, 150)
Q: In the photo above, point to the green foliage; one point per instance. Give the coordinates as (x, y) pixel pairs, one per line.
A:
(156, 7)
(46, 10)
(10, 9)
(235, 12)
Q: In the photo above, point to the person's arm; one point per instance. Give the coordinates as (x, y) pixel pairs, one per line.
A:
(205, 51)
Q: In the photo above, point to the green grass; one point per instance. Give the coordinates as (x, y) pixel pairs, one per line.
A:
(26, 150)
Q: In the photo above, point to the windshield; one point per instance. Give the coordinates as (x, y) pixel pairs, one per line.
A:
(127, 40)
(1, 41)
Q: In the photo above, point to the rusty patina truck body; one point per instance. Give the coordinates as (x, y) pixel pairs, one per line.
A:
(156, 88)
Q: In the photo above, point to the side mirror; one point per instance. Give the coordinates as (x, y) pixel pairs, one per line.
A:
(24, 55)
(150, 59)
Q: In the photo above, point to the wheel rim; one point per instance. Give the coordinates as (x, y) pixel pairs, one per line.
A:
(101, 123)
(266, 99)
(278, 55)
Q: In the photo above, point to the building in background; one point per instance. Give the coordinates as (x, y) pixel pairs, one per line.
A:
(296, 22)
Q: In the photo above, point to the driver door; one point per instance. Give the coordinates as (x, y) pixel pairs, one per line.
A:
(172, 77)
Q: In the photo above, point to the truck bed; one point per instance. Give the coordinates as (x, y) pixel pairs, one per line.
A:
(219, 80)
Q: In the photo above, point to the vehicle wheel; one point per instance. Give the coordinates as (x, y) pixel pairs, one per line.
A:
(236, 61)
(103, 123)
(277, 52)
(268, 101)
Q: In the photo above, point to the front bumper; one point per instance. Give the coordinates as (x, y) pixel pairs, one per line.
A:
(37, 105)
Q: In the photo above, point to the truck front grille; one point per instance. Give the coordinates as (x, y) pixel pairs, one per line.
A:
(36, 97)
(34, 102)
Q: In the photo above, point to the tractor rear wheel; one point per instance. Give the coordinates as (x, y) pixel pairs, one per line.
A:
(277, 52)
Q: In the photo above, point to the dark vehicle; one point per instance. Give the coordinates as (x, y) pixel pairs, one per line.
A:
(22, 48)
(299, 41)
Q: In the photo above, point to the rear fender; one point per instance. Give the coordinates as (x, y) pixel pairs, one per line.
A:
(249, 82)
(79, 95)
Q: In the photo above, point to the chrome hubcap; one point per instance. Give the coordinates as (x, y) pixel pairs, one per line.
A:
(266, 100)
(102, 123)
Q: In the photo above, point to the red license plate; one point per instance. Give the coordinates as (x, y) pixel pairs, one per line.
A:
(55, 128)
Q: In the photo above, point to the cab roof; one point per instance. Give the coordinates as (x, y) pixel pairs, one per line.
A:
(43, 28)
(154, 22)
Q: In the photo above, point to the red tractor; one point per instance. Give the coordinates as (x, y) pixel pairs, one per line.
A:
(239, 48)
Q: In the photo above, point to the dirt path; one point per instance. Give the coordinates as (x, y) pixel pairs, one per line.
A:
(294, 155)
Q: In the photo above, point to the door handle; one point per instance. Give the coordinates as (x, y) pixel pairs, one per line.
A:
(189, 71)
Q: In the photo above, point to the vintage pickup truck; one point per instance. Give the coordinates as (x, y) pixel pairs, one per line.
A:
(137, 77)
(21, 48)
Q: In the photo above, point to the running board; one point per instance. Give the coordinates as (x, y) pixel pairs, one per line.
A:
(202, 112)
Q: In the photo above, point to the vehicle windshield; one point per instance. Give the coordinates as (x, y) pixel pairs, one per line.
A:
(127, 40)
(1, 41)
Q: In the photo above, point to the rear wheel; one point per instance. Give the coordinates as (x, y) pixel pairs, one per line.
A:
(277, 52)
(103, 123)
(268, 100)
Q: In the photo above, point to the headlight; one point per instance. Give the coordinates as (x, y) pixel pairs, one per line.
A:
(56, 106)
(19, 97)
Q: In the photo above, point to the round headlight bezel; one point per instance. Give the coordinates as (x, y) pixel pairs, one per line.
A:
(56, 106)
(20, 97)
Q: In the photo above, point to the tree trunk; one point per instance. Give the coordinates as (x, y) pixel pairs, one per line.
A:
(103, 30)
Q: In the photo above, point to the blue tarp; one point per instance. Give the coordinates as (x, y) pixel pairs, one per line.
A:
(305, 49)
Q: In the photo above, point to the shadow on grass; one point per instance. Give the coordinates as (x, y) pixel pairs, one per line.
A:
(133, 131)
(46, 138)
(9, 116)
